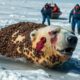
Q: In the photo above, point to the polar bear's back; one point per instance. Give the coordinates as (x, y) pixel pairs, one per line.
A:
(8, 35)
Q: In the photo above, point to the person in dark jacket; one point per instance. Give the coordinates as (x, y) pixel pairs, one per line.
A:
(46, 13)
(74, 18)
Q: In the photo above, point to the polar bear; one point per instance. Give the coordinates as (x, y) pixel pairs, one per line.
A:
(40, 44)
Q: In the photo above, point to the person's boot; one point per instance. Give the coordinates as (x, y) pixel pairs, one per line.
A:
(78, 31)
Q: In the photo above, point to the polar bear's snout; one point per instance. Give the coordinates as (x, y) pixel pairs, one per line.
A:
(72, 40)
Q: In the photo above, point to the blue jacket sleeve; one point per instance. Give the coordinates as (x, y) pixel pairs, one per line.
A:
(70, 16)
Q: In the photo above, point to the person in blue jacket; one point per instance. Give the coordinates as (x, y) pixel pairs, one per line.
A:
(46, 13)
(74, 18)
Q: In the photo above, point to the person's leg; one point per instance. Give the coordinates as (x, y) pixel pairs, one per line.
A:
(44, 19)
(48, 20)
(78, 27)
(73, 24)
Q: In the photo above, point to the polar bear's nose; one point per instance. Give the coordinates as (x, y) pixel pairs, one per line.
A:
(72, 40)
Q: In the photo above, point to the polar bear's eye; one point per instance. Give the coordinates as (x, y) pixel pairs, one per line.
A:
(57, 30)
(54, 32)
(33, 34)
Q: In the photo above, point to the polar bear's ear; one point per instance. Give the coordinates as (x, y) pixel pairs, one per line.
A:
(33, 35)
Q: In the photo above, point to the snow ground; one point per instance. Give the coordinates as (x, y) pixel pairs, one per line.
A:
(13, 11)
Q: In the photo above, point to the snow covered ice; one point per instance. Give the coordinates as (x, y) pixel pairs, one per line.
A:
(24, 75)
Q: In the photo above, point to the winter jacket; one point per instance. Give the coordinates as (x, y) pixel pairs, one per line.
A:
(74, 14)
(46, 11)
(55, 9)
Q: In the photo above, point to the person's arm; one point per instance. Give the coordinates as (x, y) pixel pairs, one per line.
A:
(70, 16)
(41, 10)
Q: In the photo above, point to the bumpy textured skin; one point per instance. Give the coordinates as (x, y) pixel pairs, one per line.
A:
(15, 42)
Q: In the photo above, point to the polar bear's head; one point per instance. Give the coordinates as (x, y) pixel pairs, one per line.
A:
(54, 41)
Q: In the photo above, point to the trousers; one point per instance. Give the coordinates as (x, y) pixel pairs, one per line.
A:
(74, 23)
(46, 18)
